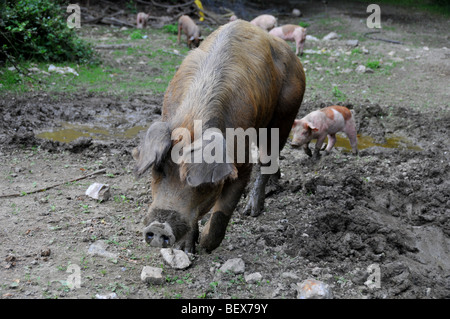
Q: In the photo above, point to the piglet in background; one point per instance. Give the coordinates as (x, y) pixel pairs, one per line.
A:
(291, 32)
(266, 22)
(322, 123)
(192, 31)
(141, 20)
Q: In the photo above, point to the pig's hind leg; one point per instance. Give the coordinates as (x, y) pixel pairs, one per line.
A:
(331, 142)
(350, 131)
(255, 203)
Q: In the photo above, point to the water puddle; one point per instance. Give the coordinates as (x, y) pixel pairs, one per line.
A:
(365, 141)
(69, 132)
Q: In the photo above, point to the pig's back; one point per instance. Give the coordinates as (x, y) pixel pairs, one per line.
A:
(236, 72)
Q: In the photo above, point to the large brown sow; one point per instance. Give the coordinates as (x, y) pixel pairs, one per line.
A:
(240, 77)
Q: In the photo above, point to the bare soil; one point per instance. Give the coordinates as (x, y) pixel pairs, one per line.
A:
(329, 219)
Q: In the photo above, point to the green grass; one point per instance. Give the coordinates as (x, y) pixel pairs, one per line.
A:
(92, 78)
(147, 66)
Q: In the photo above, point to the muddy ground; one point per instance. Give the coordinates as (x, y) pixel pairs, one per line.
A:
(388, 208)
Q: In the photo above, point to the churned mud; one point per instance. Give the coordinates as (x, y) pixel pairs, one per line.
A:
(343, 219)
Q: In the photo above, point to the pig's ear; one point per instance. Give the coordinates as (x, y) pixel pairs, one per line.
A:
(191, 38)
(312, 127)
(153, 148)
(206, 161)
(296, 122)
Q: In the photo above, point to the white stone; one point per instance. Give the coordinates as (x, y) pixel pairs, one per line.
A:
(330, 36)
(313, 289)
(152, 275)
(252, 278)
(176, 258)
(360, 69)
(235, 265)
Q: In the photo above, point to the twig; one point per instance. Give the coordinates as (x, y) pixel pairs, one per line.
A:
(55, 185)
(385, 40)
(113, 46)
(115, 21)
(166, 5)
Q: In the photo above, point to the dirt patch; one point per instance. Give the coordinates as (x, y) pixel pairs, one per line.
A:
(332, 219)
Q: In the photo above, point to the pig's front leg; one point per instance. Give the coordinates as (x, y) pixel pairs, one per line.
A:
(187, 243)
(318, 146)
(214, 230)
(307, 149)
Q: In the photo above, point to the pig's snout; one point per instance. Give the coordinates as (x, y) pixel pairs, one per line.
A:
(295, 145)
(159, 234)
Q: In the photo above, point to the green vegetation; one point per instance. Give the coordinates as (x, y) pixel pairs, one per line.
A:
(171, 28)
(303, 24)
(373, 64)
(37, 30)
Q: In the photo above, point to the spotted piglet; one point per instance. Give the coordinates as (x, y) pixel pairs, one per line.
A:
(321, 123)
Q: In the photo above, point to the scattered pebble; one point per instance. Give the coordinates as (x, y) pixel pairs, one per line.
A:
(98, 249)
(152, 275)
(98, 191)
(176, 258)
(296, 12)
(330, 36)
(313, 289)
(252, 278)
(352, 43)
(112, 295)
(235, 265)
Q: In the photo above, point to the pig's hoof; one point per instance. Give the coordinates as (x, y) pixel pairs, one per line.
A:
(252, 210)
(186, 246)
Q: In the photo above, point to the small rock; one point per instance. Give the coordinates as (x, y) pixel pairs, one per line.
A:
(98, 249)
(360, 69)
(289, 275)
(316, 271)
(313, 289)
(311, 38)
(235, 265)
(352, 43)
(176, 258)
(45, 252)
(98, 191)
(152, 275)
(296, 13)
(252, 278)
(112, 295)
(397, 59)
(330, 36)
(346, 71)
